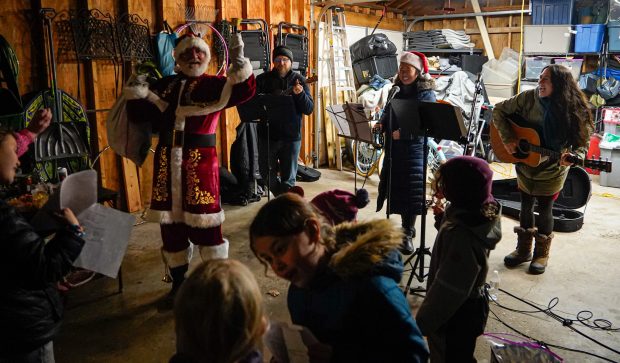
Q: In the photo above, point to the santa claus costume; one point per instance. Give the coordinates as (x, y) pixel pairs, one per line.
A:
(185, 109)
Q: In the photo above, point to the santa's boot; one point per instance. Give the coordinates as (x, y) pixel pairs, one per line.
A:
(177, 264)
(541, 253)
(213, 252)
(523, 252)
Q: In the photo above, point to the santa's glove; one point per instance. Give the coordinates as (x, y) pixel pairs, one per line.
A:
(240, 68)
(138, 88)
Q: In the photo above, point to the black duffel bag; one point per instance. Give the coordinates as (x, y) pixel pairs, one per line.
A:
(372, 45)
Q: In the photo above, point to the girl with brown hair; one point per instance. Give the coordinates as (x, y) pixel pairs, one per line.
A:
(558, 110)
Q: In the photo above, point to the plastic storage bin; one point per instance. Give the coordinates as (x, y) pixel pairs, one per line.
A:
(611, 127)
(589, 38)
(535, 65)
(552, 11)
(573, 64)
(611, 179)
(385, 66)
(546, 38)
(527, 85)
(613, 30)
(500, 90)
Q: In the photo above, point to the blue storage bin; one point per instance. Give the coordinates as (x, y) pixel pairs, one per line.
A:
(546, 12)
(614, 37)
(589, 38)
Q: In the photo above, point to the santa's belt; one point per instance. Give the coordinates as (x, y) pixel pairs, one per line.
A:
(180, 138)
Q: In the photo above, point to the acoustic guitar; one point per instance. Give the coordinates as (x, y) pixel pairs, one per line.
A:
(530, 152)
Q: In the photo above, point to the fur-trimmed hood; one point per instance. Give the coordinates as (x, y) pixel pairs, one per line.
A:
(367, 247)
(421, 83)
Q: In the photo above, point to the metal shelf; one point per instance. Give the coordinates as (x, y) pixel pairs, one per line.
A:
(440, 50)
(559, 54)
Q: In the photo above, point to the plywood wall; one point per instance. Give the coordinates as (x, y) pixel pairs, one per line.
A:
(96, 83)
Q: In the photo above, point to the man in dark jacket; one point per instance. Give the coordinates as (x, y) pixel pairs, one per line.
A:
(284, 139)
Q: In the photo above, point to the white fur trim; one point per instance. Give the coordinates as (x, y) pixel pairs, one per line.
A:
(157, 101)
(206, 220)
(213, 252)
(136, 92)
(192, 42)
(176, 259)
(240, 74)
(188, 111)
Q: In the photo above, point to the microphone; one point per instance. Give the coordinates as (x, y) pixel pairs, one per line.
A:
(393, 91)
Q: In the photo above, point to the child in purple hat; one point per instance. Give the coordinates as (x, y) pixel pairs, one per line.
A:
(455, 309)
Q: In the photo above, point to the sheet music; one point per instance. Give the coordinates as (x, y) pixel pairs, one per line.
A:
(338, 117)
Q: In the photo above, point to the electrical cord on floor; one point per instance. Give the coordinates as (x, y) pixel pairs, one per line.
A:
(599, 324)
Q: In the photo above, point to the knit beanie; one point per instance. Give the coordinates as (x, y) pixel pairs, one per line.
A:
(466, 182)
(339, 206)
(418, 61)
(282, 50)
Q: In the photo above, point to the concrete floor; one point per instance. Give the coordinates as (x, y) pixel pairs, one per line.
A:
(583, 273)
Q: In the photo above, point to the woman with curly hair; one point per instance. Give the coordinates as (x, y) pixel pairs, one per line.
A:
(558, 110)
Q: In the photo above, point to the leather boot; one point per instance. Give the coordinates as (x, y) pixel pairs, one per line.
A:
(406, 247)
(541, 253)
(523, 252)
(178, 276)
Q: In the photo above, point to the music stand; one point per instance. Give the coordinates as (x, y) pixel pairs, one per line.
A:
(426, 119)
(352, 123)
(276, 109)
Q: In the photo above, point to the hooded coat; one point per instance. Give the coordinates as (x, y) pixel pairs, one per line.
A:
(457, 271)
(407, 171)
(354, 303)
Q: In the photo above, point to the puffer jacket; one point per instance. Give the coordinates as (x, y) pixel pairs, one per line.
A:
(354, 303)
(271, 83)
(30, 306)
(407, 158)
(548, 177)
(458, 267)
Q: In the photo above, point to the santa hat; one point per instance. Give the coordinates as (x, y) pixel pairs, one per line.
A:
(339, 206)
(418, 61)
(189, 41)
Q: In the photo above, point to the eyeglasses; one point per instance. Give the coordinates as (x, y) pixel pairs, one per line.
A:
(281, 60)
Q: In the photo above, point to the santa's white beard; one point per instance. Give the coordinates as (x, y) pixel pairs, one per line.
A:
(189, 71)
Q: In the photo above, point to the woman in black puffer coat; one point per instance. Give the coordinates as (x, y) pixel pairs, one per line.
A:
(407, 186)
(30, 306)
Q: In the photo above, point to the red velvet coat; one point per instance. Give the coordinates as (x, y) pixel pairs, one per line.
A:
(186, 180)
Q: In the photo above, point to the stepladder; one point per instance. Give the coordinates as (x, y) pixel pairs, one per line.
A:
(335, 75)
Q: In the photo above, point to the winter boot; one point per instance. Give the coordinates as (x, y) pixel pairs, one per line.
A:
(541, 253)
(407, 222)
(523, 252)
(406, 247)
(178, 276)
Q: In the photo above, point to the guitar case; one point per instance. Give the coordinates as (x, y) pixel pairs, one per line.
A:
(306, 174)
(575, 194)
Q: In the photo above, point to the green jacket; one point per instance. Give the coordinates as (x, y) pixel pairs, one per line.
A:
(548, 177)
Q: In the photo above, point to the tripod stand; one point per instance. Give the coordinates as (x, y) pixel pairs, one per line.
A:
(425, 119)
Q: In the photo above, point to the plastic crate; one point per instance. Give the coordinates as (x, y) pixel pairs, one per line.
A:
(573, 64)
(589, 38)
(535, 65)
(611, 179)
(552, 12)
(613, 30)
(527, 85)
(546, 38)
(501, 90)
(385, 66)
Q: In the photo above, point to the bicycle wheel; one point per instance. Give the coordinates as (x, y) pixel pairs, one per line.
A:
(365, 157)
